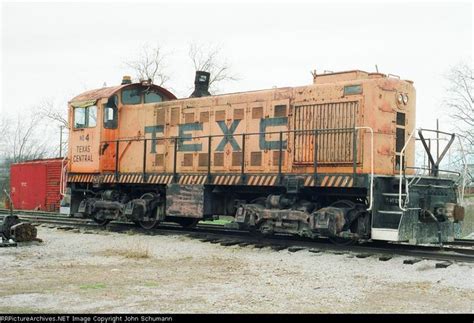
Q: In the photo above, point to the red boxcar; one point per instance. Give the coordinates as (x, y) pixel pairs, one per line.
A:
(34, 184)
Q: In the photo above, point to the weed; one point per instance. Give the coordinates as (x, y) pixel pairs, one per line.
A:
(93, 286)
(137, 251)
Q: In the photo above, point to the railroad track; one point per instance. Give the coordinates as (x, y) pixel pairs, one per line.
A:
(458, 250)
(462, 242)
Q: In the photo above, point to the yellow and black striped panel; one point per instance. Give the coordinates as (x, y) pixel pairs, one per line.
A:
(262, 180)
(109, 178)
(330, 181)
(135, 178)
(226, 180)
(253, 180)
(192, 179)
(80, 178)
(130, 178)
(159, 179)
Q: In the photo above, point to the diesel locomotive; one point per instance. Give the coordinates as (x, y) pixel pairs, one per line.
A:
(335, 159)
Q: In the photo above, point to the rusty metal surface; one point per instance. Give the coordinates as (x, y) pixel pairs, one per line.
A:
(328, 220)
(371, 101)
(332, 146)
(23, 232)
(97, 93)
(341, 76)
(185, 200)
(106, 92)
(459, 213)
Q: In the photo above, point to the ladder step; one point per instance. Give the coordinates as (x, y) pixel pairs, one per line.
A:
(393, 194)
(390, 212)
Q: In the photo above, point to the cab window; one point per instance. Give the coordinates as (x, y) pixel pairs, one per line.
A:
(151, 97)
(79, 118)
(111, 113)
(131, 96)
(91, 116)
(85, 117)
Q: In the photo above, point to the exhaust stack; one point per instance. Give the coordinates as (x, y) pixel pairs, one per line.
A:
(201, 84)
(126, 80)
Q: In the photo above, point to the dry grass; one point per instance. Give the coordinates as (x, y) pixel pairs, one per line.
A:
(137, 251)
(468, 223)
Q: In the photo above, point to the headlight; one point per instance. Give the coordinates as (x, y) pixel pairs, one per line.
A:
(405, 99)
(400, 98)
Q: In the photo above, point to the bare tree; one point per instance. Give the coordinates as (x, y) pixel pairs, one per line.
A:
(50, 111)
(208, 58)
(57, 115)
(4, 165)
(459, 103)
(460, 100)
(150, 65)
(4, 127)
(23, 138)
(24, 141)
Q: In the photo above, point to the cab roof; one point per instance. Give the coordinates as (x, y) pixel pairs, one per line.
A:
(107, 92)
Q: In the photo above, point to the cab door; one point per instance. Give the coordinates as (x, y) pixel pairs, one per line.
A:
(84, 137)
(109, 136)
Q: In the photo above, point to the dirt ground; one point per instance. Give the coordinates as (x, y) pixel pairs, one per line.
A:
(123, 273)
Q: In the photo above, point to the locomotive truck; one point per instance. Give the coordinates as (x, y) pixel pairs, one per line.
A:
(335, 159)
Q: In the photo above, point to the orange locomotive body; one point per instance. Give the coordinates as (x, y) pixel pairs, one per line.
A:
(335, 101)
(302, 160)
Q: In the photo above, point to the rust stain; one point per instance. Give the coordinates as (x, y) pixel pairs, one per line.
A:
(107, 92)
(384, 150)
(385, 107)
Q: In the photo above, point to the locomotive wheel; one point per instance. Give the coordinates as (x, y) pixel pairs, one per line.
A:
(265, 229)
(337, 240)
(102, 222)
(187, 223)
(148, 225)
(344, 204)
(256, 233)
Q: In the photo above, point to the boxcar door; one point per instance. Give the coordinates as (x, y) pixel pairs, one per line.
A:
(109, 135)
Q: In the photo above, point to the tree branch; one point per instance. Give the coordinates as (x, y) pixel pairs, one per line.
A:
(207, 59)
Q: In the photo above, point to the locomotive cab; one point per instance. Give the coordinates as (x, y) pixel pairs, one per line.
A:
(95, 119)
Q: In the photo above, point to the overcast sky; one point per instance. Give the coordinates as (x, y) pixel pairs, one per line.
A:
(58, 50)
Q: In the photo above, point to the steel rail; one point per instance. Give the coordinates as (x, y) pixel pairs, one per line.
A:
(222, 234)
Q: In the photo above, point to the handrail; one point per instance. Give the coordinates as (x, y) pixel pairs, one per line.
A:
(371, 203)
(176, 139)
(465, 170)
(62, 178)
(435, 165)
(402, 152)
(329, 130)
(441, 170)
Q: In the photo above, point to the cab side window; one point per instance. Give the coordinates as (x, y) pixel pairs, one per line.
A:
(111, 113)
(151, 97)
(131, 96)
(85, 117)
(91, 116)
(79, 118)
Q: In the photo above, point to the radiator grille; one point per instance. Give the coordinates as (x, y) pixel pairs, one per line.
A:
(332, 146)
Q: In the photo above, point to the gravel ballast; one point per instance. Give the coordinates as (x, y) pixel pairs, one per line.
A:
(107, 272)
